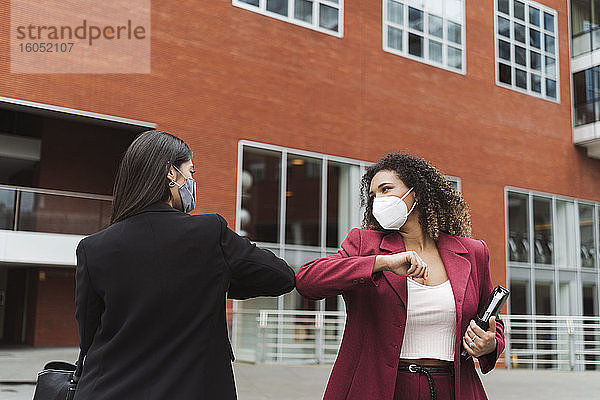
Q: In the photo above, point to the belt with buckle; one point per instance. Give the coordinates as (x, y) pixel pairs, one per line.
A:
(427, 371)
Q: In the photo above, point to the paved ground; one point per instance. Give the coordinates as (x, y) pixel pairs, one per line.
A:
(18, 368)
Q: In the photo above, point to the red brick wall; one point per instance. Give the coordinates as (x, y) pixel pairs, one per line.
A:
(55, 323)
(80, 157)
(221, 74)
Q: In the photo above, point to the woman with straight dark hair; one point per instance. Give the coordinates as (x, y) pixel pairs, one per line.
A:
(151, 288)
(413, 280)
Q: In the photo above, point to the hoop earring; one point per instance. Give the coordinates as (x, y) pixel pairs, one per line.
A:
(172, 183)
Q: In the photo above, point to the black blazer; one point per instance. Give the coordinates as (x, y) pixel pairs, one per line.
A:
(150, 303)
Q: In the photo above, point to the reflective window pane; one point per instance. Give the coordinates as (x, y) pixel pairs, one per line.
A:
(303, 201)
(454, 32)
(542, 230)
(395, 12)
(454, 57)
(328, 17)
(536, 83)
(39, 212)
(504, 73)
(519, 31)
(415, 45)
(454, 10)
(278, 6)
(342, 201)
(519, 10)
(590, 308)
(436, 26)
(520, 55)
(544, 298)
(518, 232)
(303, 10)
(251, 2)
(551, 88)
(521, 78)
(534, 16)
(395, 38)
(566, 251)
(504, 50)
(548, 22)
(503, 6)
(435, 6)
(587, 253)
(549, 43)
(534, 38)
(7, 208)
(504, 27)
(535, 60)
(261, 188)
(435, 51)
(415, 19)
(550, 67)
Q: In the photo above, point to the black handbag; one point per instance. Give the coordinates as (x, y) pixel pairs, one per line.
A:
(58, 380)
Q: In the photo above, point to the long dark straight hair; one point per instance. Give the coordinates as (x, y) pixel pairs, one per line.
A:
(141, 179)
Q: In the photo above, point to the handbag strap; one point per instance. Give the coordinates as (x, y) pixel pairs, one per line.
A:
(78, 367)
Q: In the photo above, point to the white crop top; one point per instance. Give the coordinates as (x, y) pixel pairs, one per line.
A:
(430, 322)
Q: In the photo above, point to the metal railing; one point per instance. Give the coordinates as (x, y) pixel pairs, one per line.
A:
(53, 211)
(287, 336)
(552, 342)
(532, 341)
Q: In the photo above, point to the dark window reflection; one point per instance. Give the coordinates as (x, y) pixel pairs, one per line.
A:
(340, 184)
(544, 298)
(586, 234)
(7, 208)
(50, 213)
(303, 201)
(542, 221)
(518, 236)
(586, 96)
(261, 181)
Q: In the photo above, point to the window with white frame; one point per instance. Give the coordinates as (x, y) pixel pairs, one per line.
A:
(527, 48)
(553, 268)
(325, 16)
(300, 205)
(430, 31)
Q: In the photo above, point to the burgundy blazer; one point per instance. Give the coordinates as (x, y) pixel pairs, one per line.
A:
(367, 362)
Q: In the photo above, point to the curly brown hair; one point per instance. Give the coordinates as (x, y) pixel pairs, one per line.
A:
(440, 206)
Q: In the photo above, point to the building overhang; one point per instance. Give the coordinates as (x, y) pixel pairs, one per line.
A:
(588, 136)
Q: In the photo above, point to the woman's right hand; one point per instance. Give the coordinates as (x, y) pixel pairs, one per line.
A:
(408, 263)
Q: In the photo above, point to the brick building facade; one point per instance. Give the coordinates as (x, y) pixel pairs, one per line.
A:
(224, 72)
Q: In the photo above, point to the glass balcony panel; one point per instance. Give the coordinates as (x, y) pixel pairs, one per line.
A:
(582, 44)
(52, 213)
(7, 208)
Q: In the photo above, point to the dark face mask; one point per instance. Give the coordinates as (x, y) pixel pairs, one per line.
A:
(187, 192)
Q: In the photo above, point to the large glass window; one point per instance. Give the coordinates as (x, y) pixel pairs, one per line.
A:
(303, 201)
(430, 31)
(564, 248)
(322, 15)
(586, 96)
(526, 48)
(542, 225)
(518, 227)
(585, 20)
(587, 240)
(260, 195)
(308, 219)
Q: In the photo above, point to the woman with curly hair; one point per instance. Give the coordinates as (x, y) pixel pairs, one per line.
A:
(412, 280)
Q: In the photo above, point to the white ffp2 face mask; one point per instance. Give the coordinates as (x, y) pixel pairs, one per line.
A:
(391, 212)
